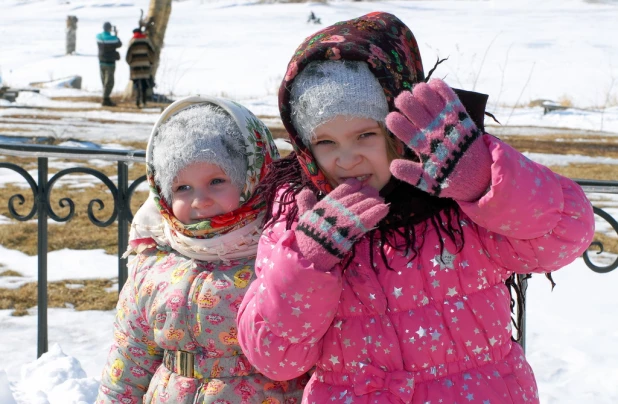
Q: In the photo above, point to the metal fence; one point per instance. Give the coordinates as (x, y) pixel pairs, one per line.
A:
(122, 193)
(42, 208)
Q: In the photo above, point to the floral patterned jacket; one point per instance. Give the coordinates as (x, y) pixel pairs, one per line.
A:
(176, 303)
(185, 286)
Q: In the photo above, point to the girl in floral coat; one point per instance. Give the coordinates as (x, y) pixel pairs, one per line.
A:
(392, 230)
(175, 334)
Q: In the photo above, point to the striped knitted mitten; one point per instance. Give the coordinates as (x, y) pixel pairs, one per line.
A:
(327, 230)
(454, 160)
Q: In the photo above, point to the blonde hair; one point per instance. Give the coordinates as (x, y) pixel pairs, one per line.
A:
(394, 148)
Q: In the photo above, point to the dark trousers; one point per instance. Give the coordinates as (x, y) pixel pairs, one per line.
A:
(140, 87)
(107, 79)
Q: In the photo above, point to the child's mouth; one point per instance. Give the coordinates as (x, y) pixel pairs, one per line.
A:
(362, 178)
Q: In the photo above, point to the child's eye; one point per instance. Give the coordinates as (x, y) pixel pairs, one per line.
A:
(324, 142)
(366, 135)
(182, 188)
(217, 181)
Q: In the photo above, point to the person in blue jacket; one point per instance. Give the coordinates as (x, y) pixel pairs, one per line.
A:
(108, 42)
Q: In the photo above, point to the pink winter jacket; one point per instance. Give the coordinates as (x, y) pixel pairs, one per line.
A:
(433, 330)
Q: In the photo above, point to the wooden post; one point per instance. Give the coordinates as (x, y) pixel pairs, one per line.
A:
(71, 34)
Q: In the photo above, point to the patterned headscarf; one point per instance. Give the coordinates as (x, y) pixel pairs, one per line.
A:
(260, 152)
(381, 40)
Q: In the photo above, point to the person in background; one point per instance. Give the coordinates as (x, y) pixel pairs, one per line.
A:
(108, 42)
(195, 240)
(140, 57)
(392, 229)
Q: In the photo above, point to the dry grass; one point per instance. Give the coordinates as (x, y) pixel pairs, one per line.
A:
(136, 145)
(91, 294)
(605, 172)
(610, 244)
(28, 118)
(565, 101)
(9, 272)
(594, 146)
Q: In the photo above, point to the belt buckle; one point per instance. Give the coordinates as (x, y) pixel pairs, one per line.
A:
(184, 364)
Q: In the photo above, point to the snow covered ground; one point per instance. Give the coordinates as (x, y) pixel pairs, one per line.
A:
(516, 51)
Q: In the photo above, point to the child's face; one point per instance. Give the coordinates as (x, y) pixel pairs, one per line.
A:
(201, 191)
(348, 147)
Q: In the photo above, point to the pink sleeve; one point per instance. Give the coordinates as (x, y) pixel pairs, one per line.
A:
(532, 219)
(287, 309)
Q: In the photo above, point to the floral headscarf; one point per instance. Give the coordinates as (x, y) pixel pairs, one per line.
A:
(260, 152)
(381, 40)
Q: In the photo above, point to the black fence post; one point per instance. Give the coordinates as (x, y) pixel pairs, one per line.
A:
(41, 203)
(123, 221)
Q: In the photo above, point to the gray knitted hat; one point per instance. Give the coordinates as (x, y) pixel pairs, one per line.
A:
(326, 89)
(201, 133)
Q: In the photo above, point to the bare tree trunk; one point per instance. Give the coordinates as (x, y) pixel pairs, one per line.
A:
(159, 14)
(156, 24)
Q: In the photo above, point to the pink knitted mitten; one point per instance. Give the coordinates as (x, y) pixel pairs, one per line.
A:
(328, 229)
(454, 160)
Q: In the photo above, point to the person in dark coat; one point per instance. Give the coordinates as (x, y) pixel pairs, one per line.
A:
(108, 42)
(140, 57)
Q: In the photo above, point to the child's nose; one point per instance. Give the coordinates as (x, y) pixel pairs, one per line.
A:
(202, 200)
(348, 158)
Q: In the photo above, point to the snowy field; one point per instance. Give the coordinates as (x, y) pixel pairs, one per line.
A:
(516, 51)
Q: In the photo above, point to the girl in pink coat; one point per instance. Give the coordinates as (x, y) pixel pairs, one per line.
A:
(392, 230)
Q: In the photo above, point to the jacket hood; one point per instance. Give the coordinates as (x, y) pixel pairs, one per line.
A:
(260, 152)
(381, 40)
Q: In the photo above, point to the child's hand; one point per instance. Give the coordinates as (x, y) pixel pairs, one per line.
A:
(454, 160)
(328, 229)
